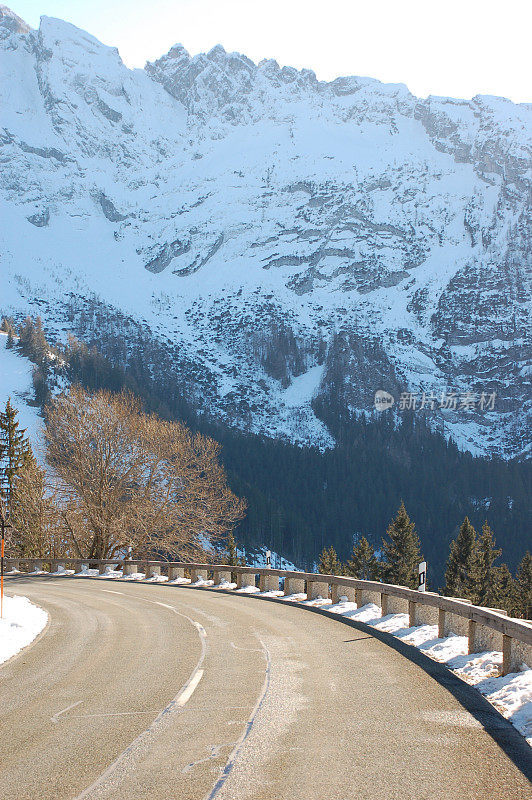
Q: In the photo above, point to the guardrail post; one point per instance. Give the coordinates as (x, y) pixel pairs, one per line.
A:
(481, 638)
(153, 570)
(268, 583)
(221, 576)
(245, 579)
(515, 654)
(37, 565)
(317, 589)
(420, 613)
(449, 623)
(338, 591)
(130, 568)
(197, 574)
(175, 572)
(14, 565)
(391, 604)
(294, 586)
(59, 567)
(368, 596)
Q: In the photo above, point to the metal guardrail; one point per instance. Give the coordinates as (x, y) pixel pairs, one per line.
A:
(486, 629)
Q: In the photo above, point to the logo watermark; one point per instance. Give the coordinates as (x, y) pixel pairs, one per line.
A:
(445, 400)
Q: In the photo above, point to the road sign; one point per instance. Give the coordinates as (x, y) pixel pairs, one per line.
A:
(268, 558)
(422, 571)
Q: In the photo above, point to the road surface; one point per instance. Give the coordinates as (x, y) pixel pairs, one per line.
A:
(138, 691)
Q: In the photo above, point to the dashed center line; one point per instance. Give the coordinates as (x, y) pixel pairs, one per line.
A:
(55, 718)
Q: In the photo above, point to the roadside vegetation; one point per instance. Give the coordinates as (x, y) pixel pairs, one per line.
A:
(118, 481)
(122, 473)
(472, 570)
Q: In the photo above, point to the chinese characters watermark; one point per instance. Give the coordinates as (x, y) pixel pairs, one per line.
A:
(431, 401)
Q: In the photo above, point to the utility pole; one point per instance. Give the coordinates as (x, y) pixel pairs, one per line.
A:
(3, 525)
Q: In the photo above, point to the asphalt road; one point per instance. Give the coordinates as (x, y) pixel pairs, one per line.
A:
(141, 691)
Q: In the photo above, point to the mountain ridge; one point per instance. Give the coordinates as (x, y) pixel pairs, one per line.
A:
(361, 239)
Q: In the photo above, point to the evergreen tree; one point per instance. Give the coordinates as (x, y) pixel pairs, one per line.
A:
(329, 563)
(233, 559)
(507, 592)
(461, 579)
(15, 451)
(487, 592)
(523, 580)
(10, 339)
(363, 563)
(401, 551)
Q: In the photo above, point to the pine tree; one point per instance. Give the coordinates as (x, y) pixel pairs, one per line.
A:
(507, 592)
(401, 551)
(363, 563)
(232, 558)
(15, 451)
(10, 339)
(329, 562)
(523, 580)
(487, 591)
(461, 578)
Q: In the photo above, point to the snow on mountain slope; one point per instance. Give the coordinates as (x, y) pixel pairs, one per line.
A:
(16, 385)
(298, 243)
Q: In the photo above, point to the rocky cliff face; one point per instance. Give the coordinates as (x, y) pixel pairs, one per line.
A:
(303, 243)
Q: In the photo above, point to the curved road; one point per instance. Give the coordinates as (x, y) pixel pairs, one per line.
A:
(140, 691)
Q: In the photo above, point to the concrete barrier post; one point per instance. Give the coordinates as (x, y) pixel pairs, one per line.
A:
(59, 567)
(338, 591)
(368, 596)
(197, 574)
(130, 567)
(317, 590)
(153, 570)
(391, 604)
(481, 638)
(422, 614)
(175, 572)
(449, 623)
(221, 576)
(294, 586)
(14, 565)
(37, 565)
(268, 583)
(515, 654)
(245, 579)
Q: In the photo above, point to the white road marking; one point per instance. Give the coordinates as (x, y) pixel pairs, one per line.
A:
(248, 725)
(175, 705)
(110, 591)
(55, 718)
(114, 714)
(246, 649)
(189, 690)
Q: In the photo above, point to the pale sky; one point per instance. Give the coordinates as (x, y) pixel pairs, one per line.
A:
(458, 48)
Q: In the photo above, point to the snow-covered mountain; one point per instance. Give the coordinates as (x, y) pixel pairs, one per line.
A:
(300, 244)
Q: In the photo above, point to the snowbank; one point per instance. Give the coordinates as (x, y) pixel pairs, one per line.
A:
(21, 623)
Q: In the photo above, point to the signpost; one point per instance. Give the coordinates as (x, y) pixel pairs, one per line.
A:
(4, 525)
(422, 570)
(268, 558)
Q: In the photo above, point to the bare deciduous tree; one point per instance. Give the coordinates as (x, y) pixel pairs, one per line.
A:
(128, 479)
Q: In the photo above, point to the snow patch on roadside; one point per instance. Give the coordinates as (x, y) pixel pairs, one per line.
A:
(21, 623)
